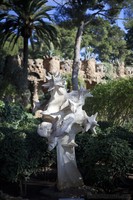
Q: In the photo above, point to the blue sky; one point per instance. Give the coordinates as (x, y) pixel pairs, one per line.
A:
(120, 21)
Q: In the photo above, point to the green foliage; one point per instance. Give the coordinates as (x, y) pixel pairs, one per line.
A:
(78, 11)
(128, 14)
(21, 154)
(116, 131)
(129, 40)
(112, 101)
(26, 19)
(107, 40)
(67, 41)
(32, 15)
(65, 49)
(7, 50)
(12, 115)
(128, 24)
(22, 151)
(68, 78)
(42, 49)
(8, 91)
(104, 158)
(109, 71)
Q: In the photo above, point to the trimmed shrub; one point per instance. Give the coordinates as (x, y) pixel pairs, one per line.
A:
(103, 159)
(113, 102)
(22, 151)
(22, 154)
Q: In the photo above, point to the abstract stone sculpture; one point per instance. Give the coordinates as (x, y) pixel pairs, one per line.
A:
(63, 119)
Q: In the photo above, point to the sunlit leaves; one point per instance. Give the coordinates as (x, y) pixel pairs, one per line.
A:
(113, 101)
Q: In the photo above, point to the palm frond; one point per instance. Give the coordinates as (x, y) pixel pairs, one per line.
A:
(28, 16)
(43, 37)
(3, 16)
(4, 37)
(36, 5)
(49, 28)
(41, 14)
(14, 42)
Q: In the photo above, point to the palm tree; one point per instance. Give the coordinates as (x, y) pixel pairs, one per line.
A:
(25, 19)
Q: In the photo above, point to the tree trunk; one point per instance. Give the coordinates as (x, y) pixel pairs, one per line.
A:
(25, 62)
(76, 61)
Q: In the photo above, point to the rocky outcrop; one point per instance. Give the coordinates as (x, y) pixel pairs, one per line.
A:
(89, 68)
(120, 69)
(66, 66)
(129, 71)
(51, 65)
(90, 71)
(36, 70)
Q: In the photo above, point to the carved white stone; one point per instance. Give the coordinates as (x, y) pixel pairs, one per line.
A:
(64, 119)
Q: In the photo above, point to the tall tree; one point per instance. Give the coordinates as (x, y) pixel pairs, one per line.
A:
(80, 13)
(107, 40)
(25, 18)
(129, 28)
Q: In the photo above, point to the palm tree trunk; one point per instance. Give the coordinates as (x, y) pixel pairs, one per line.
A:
(76, 61)
(25, 62)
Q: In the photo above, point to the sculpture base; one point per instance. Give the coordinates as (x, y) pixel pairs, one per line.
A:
(52, 193)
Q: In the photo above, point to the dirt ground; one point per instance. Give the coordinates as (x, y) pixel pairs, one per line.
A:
(45, 190)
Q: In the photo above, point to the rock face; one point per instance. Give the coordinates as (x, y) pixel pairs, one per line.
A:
(120, 69)
(51, 65)
(91, 72)
(89, 67)
(36, 75)
(66, 66)
(129, 71)
(36, 70)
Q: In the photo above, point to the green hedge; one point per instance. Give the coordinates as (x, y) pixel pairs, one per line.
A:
(22, 151)
(106, 157)
(113, 102)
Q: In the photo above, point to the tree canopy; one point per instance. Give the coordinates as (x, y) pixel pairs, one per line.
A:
(80, 23)
(81, 13)
(108, 41)
(129, 28)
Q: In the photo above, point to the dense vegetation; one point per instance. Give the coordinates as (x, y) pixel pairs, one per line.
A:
(104, 159)
(22, 151)
(108, 154)
(113, 102)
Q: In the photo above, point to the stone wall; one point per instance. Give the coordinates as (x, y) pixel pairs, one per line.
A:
(90, 71)
(51, 65)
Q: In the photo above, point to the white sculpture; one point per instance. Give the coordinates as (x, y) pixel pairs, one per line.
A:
(64, 118)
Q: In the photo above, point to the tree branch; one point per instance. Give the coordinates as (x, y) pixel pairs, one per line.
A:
(86, 23)
(57, 3)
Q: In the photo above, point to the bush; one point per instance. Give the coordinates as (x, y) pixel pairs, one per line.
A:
(112, 101)
(13, 115)
(116, 132)
(105, 159)
(22, 151)
(22, 154)
(68, 78)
